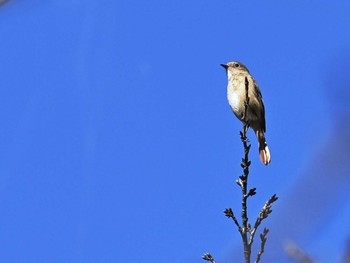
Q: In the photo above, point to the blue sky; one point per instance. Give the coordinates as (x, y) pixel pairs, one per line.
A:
(118, 144)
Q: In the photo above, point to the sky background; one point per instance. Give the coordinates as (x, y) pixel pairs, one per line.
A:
(117, 143)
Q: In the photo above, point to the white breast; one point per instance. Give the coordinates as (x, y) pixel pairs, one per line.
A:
(236, 93)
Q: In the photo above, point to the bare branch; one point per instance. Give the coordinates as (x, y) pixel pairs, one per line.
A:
(208, 257)
(229, 213)
(243, 179)
(263, 239)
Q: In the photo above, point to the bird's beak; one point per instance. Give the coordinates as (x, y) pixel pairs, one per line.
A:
(224, 66)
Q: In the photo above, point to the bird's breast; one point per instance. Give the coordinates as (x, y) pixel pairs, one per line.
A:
(236, 94)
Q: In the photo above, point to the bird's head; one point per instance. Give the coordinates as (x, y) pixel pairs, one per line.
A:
(234, 67)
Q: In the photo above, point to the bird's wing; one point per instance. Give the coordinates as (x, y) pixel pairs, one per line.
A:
(262, 107)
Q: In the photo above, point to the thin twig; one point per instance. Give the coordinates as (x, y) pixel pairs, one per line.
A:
(229, 213)
(264, 213)
(263, 239)
(208, 257)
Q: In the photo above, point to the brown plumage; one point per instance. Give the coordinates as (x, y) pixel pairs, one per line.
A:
(236, 95)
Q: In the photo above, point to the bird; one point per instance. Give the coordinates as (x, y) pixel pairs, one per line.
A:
(237, 73)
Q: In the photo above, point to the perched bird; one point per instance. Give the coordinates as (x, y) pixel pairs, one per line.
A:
(236, 95)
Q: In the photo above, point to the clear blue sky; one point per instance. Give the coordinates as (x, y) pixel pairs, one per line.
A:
(117, 143)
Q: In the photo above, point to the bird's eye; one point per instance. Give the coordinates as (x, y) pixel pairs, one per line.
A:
(236, 65)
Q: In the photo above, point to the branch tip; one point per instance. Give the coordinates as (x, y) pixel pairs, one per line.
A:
(208, 257)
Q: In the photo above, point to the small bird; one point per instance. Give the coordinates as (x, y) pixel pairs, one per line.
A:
(236, 95)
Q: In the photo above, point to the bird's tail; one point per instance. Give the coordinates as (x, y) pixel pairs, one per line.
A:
(264, 150)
